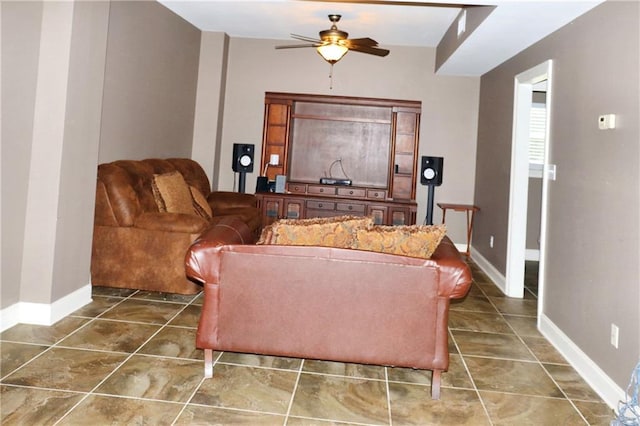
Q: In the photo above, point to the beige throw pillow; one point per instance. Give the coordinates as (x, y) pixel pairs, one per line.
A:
(200, 204)
(412, 241)
(172, 193)
(327, 232)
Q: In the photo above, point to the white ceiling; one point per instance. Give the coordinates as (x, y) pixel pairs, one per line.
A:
(509, 29)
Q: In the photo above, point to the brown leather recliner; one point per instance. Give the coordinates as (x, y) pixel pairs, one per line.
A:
(328, 303)
(137, 246)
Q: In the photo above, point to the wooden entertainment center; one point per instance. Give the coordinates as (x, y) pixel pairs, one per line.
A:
(372, 143)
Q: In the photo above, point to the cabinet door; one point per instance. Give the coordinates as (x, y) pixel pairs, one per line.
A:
(401, 216)
(406, 124)
(271, 209)
(378, 213)
(294, 209)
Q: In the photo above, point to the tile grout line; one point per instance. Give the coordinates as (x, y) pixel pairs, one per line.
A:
(195, 390)
(55, 344)
(564, 393)
(473, 382)
(87, 394)
(464, 362)
(92, 391)
(535, 357)
(293, 393)
(386, 381)
(544, 368)
(186, 403)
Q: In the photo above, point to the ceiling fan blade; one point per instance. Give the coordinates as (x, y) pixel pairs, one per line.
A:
(361, 41)
(370, 50)
(294, 46)
(305, 38)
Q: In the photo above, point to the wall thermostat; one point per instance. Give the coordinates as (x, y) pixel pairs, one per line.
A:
(607, 121)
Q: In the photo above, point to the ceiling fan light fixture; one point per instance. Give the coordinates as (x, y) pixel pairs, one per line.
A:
(332, 52)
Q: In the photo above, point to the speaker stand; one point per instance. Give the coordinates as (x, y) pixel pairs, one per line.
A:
(429, 219)
(242, 181)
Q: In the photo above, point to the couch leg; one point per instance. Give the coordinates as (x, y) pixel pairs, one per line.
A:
(208, 363)
(435, 384)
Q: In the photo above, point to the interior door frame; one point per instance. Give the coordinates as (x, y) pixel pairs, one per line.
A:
(519, 184)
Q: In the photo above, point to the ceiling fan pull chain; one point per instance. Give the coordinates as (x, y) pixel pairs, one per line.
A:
(331, 77)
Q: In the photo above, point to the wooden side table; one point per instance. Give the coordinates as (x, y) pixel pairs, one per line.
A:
(469, 209)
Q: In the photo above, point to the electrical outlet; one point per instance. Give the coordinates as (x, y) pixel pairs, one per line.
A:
(491, 241)
(614, 335)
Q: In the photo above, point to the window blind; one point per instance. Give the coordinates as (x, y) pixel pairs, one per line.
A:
(537, 130)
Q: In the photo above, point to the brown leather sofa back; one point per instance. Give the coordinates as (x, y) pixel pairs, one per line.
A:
(124, 187)
(328, 303)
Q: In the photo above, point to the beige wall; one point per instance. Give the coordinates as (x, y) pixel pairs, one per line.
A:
(150, 83)
(207, 129)
(80, 149)
(54, 65)
(20, 49)
(50, 148)
(449, 106)
(593, 207)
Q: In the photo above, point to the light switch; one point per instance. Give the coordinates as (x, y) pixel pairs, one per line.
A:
(551, 172)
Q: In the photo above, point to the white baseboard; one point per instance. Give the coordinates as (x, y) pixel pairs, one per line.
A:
(43, 313)
(461, 247)
(9, 316)
(602, 384)
(496, 276)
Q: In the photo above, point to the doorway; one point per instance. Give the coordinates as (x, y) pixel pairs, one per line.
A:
(519, 185)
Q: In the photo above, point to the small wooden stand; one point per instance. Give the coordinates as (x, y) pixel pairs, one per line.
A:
(469, 209)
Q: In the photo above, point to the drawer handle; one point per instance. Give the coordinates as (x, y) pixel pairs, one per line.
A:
(350, 192)
(321, 189)
(320, 205)
(350, 207)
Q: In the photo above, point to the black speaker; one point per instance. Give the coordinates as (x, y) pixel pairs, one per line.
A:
(243, 157)
(262, 184)
(431, 171)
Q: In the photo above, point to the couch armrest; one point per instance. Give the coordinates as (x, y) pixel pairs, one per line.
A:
(201, 260)
(455, 275)
(222, 200)
(171, 222)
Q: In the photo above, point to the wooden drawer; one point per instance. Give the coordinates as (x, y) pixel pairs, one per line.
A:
(320, 205)
(297, 188)
(322, 213)
(352, 192)
(321, 189)
(357, 209)
(377, 194)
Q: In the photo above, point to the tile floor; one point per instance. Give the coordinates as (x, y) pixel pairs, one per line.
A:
(129, 358)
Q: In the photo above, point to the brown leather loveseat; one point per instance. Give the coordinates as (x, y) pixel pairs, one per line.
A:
(140, 242)
(337, 304)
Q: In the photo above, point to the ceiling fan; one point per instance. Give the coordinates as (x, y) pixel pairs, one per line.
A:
(334, 43)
